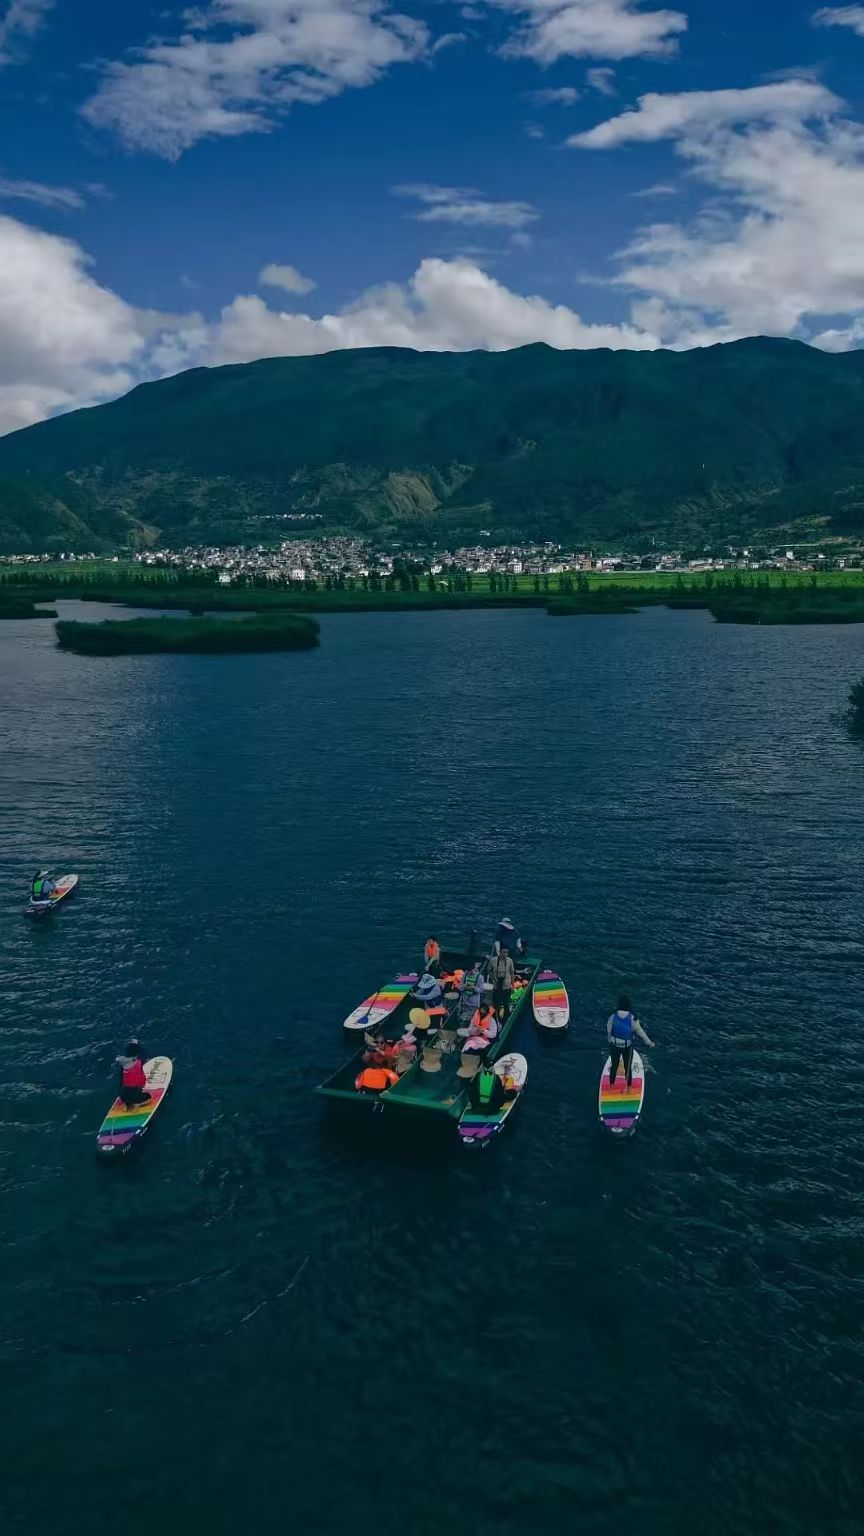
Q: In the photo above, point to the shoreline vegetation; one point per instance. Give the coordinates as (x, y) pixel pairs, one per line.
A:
(137, 637)
(733, 597)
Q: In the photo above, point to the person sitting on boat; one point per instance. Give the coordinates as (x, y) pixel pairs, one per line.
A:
(482, 1030)
(432, 957)
(375, 1079)
(507, 938)
(428, 991)
(380, 1053)
(133, 1078)
(43, 886)
(622, 1030)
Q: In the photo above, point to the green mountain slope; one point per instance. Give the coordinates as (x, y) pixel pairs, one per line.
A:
(601, 445)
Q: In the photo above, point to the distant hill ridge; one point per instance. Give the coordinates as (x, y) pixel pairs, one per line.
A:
(597, 447)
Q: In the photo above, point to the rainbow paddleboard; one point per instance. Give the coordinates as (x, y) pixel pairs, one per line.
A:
(477, 1127)
(620, 1106)
(550, 1000)
(375, 1008)
(122, 1128)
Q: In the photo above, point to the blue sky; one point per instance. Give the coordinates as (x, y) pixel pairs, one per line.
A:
(418, 173)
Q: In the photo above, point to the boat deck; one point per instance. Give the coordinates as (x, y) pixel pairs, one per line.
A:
(441, 1093)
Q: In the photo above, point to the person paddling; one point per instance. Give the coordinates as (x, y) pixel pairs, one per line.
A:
(133, 1077)
(622, 1029)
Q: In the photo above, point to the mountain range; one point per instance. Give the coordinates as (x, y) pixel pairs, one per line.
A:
(727, 442)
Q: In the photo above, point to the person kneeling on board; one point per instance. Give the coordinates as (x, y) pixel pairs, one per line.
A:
(487, 1090)
(622, 1030)
(42, 887)
(375, 1079)
(133, 1077)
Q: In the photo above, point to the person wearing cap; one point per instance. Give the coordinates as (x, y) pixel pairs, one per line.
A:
(428, 991)
(133, 1078)
(507, 938)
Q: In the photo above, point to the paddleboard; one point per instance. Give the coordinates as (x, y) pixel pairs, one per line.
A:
(550, 1001)
(478, 1126)
(373, 1009)
(620, 1107)
(65, 886)
(122, 1127)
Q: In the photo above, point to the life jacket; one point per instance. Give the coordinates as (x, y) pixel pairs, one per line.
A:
(38, 887)
(432, 950)
(134, 1075)
(622, 1029)
(485, 1088)
(376, 1079)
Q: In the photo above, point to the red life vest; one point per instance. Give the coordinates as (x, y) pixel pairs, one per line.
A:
(134, 1076)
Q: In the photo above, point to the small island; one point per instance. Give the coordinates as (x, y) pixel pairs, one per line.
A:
(207, 636)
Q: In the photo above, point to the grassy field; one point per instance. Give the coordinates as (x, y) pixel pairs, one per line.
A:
(732, 596)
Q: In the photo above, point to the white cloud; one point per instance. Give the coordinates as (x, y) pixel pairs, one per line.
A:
(64, 340)
(448, 40)
(779, 244)
(20, 19)
(603, 29)
(557, 96)
(241, 64)
(602, 80)
(279, 275)
(37, 192)
(446, 306)
(462, 205)
(659, 189)
(841, 340)
(841, 16)
(671, 116)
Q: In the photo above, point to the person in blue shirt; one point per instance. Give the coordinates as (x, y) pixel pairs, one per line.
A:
(507, 938)
(622, 1031)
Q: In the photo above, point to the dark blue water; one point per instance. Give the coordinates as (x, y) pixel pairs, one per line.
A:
(267, 1323)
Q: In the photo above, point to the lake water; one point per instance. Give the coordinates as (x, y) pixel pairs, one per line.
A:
(265, 1321)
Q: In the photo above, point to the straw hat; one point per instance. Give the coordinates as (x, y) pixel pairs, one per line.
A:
(419, 1018)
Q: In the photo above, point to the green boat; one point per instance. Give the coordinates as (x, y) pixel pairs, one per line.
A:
(439, 1093)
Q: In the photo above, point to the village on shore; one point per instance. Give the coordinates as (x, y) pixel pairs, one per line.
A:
(320, 559)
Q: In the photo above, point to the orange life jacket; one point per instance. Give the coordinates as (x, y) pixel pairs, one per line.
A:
(376, 1079)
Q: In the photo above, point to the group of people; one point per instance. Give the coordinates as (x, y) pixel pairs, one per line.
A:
(474, 1017)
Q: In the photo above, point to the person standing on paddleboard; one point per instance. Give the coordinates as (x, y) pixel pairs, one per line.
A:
(133, 1077)
(622, 1030)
